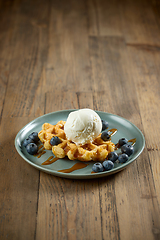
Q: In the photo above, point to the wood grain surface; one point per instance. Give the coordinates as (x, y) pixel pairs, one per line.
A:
(100, 54)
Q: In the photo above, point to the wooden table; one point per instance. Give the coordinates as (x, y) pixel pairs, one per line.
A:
(56, 55)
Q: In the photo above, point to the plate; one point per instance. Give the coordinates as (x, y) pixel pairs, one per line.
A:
(124, 129)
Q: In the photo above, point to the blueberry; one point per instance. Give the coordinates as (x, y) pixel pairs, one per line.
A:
(123, 158)
(105, 136)
(112, 156)
(97, 167)
(32, 148)
(34, 136)
(122, 141)
(104, 125)
(128, 149)
(55, 141)
(27, 141)
(108, 165)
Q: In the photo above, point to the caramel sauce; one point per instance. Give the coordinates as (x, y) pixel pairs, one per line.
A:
(41, 153)
(79, 165)
(117, 146)
(50, 160)
(76, 166)
(133, 141)
(113, 131)
(40, 147)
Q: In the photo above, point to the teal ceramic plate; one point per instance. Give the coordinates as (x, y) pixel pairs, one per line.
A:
(124, 129)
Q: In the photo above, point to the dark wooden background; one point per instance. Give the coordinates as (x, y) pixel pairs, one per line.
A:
(57, 55)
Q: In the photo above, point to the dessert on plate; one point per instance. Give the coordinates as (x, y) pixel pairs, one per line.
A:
(78, 138)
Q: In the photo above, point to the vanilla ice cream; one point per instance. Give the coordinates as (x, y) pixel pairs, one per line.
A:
(83, 126)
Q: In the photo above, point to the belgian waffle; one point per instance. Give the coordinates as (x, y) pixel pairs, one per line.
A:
(98, 150)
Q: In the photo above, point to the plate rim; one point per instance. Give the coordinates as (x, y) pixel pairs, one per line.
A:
(73, 175)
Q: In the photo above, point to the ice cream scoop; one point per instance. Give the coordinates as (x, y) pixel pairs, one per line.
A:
(83, 126)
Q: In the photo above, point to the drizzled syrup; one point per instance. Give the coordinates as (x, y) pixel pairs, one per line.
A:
(76, 166)
(133, 141)
(80, 165)
(41, 152)
(113, 131)
(50, 160)
(41, 146)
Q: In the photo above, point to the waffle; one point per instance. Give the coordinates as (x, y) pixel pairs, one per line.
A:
(98, 150)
